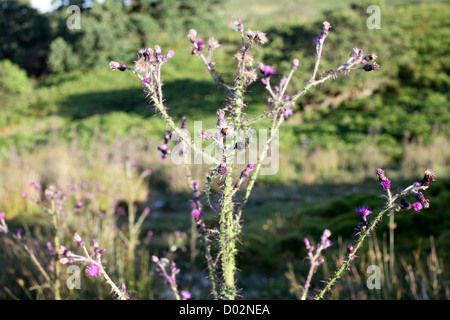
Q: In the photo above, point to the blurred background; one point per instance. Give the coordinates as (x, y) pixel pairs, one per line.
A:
(67, 120)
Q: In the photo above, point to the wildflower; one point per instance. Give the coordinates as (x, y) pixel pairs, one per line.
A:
(246, 172)
(424, 202)
(237, 26)
(295, 64)
(158, 52)
(146, 80)
(213, 44)
(319, 40)
(200, 45)
(369, 57)
(169, 54)
(266, 70)
(66, 260)
(221, 122)
(326, 28)
(64, 251)
(256, 37)
(196, 214)
(185, 295)
(117, 66)
(325, 243)
(427, 178)
(195, 185)
(78, 206)
(309, 247)
(385, 182)
(222, 169)
(92, 270)
(78, 240)
(356, 53)
(417, 206)
(205, 135)
(370, 67)
(192, 35)
(363, 211)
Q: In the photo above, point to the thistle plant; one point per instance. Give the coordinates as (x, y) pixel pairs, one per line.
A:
(394, 202)
(94, 263)
(229, 135)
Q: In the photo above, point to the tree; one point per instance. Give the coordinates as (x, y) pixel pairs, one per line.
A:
(25, 36)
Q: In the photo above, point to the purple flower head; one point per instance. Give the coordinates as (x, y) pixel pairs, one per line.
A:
(170, 54)
(308, 246)
(363, 211)
(200, 45)
(78, 240)
(117, 66)
(92, 270)
(196, 213)
(195, 185)
(2, 215)
(222, 169)
(146, 80)
(268, 70)
(417, 206)
(319, 40)
(385, 183)
(185, 295)
(427, 178)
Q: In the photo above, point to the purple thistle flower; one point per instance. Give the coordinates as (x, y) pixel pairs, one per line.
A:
(222, 169)
(266, 70)
(417, 206)
(146, 80)
(185, 295)
(385, 183)
(195, 185)
(170, 54)
(363, 211)
(196, 213)
(92, 270)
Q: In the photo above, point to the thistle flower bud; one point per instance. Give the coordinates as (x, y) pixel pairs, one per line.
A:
(238, 26)
(420, 197)
(78, 240)
(256, 37)
(196, 214)
(385, 182)
(192, 35)
(213, 44)
(427, 178)
(370, 67)
(326, 28)
(205, 135)
(222, 170)
(117, 66)
(295, 64)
